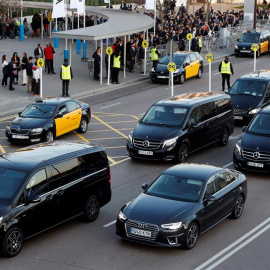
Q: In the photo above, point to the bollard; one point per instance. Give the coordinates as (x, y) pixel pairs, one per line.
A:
(21, 32)
(84, 51)
(56, 41)
(78, 46)
(66, 55)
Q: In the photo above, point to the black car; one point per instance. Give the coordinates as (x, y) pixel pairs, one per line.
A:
(252, 151)
(189, 64)
(46, 119)
(184, 201)
(170, 128)
(249, 94)
(243, 46)
(44, 185)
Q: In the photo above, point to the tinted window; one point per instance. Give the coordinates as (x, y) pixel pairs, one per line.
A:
(38, 184)
(72, 106)
(92, 163)
(223, 105)
(220, 181)
(250, 38)
(252, 88)
(193, 57)
(260, 124)
(64, 173)
(38, 111)
(63, 110)
(207, 111)
(211, 187)
(187, 60)
(195, 116)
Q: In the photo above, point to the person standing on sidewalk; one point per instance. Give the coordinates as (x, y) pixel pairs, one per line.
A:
(66, 76)
(141, 57)
(36, 81)
(226, 69)
(29, 73)
(154, 55)
(24, 65)
(96, 56)
(116, 66)
(12, 72)
(4, 70)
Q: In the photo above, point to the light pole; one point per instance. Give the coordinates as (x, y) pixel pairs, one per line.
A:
(255, 14)
(21, 24)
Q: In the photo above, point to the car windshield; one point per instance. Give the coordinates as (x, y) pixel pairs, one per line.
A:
(176, 188)
(165, 115)
(10, 181)
(38, 111)
(252, 88)
(177, 59)
(260, 125)
(250, 38)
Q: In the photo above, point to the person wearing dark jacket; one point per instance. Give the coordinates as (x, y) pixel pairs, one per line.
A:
(12, 72)
(141, 57)
(96, 56)
(38, 52)
(66, 76)
(29, 73)
(132, 54)
(226, 69)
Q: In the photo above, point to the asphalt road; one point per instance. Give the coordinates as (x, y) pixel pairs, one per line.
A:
(233, 244)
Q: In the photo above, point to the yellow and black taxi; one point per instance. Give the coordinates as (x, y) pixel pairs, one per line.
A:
(188, 65)
(243, 46)
(47, 119)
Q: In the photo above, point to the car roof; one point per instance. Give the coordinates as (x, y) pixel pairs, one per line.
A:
(263, 74)
(189, 99)
(53, 101)
(256, 32)
(29, 157)
(193, 170)
(183, 52)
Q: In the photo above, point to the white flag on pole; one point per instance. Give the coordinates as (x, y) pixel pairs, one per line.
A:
(149, 4)
(81, 6)
(73, 4)
(59, 9)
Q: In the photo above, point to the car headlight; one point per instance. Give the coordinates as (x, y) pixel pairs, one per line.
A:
(172, 226)
(121, 216)
(153, 69)
(1, 218)
(254, 111)
(236, 47)
(170, 142)
(8, 129)
(130, 137)
(36, 130)
(238, 149)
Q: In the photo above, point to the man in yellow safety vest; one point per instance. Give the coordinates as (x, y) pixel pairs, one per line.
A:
(200, 43)
(116, 66)
(154, 55)
(226, 69)
(66, 76)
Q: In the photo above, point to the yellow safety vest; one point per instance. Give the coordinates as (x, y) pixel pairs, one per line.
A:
(116, 62)
(154, 55)
(66, 74)
(225, 68)
(200, 42)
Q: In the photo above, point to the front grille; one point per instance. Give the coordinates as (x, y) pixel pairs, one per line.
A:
(147, 145)
(256, 156)
(146, 227)
(21, 131)
(240, 110)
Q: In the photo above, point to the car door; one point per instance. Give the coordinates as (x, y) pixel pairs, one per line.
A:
(263, 43)
(75, 114)
(195, 64)
(188, 68)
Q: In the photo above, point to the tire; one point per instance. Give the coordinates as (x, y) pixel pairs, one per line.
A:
(238, 207)
(268, 51)
(182, 154)
(12, 242)
(182, 78)
(237, 55)
(199, 75)
(49, 137)
(224, 137)
(191, 236)
(91, 209)
(258, 54)
(83, 125)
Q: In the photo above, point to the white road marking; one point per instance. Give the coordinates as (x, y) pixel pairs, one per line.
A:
(228, 165)
(236, 243)
(110, 105)
(216, 74)
(109, 224)
(253, 62)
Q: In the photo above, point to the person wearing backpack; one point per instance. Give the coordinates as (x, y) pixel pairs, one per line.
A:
(4, 70)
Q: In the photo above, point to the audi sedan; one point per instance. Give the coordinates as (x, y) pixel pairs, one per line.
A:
(184, 201)
(46, 119)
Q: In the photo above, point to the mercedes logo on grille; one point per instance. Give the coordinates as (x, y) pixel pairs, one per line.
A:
(145, 143)
(256, 155)
(236, 110)
(142, 226)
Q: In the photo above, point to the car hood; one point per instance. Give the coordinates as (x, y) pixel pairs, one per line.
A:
(151, 209)
(245, 45)
(28, 123)
(255, 142)
(245, 102)
(159, 133)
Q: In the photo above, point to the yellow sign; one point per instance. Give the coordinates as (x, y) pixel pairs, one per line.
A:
(189, 36)
(171, 67)
(40, 62)
(49, 15)
(145, 44)
(255, 47)
(109, 50)
(209, 57)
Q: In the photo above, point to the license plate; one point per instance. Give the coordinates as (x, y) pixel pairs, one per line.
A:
(148, 153)
(243, 51)
(162, 77)
(254, 164)
(140, 232)
(20, 137)
(238, 117)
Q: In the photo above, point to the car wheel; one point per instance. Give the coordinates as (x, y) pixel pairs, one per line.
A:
(199, 75)
(49, 137)
(183, 153)
(191, 236)
(258, 54)
(236, 54)
(238, 207)
(182, 78)
(83, 125)
(12, 242)
(91, 209)
(268, 51)
(224, 137)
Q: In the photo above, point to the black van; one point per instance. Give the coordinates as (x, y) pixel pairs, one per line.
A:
(249, 94)
(171, 129)
(44, 185)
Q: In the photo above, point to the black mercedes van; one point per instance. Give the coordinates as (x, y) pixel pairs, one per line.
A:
(173, 128)
(44, 185)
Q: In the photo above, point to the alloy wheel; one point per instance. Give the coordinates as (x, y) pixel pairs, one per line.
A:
(192, 236)
(239, 206)
(93, 208)
(49, 136)
(183, 153)
(83, 125)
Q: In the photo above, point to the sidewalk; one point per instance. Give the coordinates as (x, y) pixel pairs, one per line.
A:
(83, 83)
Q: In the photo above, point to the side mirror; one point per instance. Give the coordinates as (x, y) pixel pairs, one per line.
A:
(19, 113)
(186, 64)
(210, 198)
(33, 199)
(144, 186)
(139, 120)
(194, 125)
(59, 115)
(244, 128)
